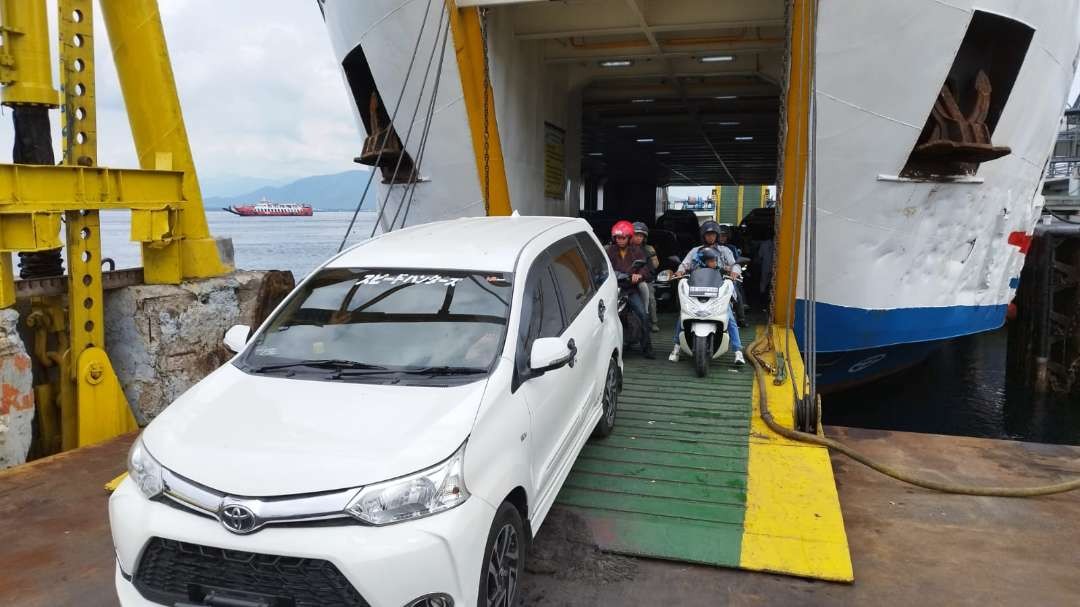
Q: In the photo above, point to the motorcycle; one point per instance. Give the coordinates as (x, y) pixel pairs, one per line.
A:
(664, 285)
(704, 300)
(631, 325)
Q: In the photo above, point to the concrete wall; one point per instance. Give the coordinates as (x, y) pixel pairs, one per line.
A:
(16, 393)
(162, 339)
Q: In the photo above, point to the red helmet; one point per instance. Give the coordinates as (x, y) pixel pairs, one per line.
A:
(622, 228)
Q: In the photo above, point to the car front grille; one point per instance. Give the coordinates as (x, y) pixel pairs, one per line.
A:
(172, 571)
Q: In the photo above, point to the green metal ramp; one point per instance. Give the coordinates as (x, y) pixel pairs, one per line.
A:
(670, 482)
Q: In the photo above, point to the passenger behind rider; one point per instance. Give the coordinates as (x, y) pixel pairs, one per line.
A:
(641, 235)
(724, 240)
(623, 254)
(710, 233)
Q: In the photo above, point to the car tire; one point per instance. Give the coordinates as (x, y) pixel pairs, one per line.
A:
(609, 401)
(504, 559)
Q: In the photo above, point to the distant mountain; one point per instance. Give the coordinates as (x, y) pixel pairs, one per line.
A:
(337, 192)
(233, 185)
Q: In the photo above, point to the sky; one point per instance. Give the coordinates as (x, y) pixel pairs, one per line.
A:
(259, 85)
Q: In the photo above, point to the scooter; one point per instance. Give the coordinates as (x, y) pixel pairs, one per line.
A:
(704, 300)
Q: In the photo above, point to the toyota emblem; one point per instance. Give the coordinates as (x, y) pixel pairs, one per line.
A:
(238, 519)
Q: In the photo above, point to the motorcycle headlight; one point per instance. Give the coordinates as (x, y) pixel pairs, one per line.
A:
(144, 470)
(427, 492)
(665, 276)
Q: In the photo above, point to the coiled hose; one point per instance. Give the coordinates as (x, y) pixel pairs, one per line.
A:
(890, 471)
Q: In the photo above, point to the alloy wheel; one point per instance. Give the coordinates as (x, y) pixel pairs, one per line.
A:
(502, 568)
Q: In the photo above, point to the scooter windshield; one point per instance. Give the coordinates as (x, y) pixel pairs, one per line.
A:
(705, 282)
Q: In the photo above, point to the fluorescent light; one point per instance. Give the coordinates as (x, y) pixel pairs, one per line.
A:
(616, 63)
(627, 126)
(716, 58)
(596, 153)
(642, 100)
(662, 153)
(726, 97)
(646, 140)
(725, 123)
(744, 138)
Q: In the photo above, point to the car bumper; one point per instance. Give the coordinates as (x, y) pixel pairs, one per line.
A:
(389, 566)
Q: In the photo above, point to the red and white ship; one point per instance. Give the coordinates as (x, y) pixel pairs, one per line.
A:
(265, 208)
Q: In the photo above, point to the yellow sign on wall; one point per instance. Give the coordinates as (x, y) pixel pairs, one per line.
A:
(554, 161)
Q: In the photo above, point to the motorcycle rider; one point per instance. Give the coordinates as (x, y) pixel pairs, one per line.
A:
(696, 258)
(623, 254)
(725, 239)
(641, 235)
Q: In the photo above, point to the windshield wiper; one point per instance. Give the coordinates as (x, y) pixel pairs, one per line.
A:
(445, 370)
(325, 363)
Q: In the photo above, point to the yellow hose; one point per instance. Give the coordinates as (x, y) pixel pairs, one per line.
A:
(900, 475)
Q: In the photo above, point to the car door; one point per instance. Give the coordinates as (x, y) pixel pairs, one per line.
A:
(550, 396)
(585, 313)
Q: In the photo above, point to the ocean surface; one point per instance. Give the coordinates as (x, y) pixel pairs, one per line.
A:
(961, 389)
(298, 244)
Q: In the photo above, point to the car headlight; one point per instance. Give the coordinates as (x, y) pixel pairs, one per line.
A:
(144, 470)
(427, 492)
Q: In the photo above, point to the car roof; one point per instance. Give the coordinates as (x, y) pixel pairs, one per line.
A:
(469, 243)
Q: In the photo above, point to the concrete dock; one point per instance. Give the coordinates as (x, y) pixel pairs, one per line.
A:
(908, 546)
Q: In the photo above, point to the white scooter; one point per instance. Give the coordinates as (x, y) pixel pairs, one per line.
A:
(704, 302)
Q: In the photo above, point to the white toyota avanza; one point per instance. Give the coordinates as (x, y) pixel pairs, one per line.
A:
(391, 436)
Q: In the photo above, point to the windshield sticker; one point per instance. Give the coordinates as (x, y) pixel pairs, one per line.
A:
(318, 347)
(416, 279)
(266, 351)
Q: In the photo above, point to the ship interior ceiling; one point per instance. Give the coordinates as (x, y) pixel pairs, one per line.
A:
(676, 93)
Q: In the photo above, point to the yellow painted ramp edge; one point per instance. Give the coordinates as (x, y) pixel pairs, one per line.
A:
(793, 521)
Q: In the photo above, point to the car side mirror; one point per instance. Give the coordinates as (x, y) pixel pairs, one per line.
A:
(548, 354)
(236, 337)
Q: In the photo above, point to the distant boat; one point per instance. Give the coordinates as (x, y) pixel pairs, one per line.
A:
(265, 208)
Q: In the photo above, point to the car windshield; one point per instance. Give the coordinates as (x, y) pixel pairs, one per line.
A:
(369, 321)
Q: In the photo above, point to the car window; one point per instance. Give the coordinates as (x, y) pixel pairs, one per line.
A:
(572, 277)
(595, 257)
(546, 315)
(433, 318)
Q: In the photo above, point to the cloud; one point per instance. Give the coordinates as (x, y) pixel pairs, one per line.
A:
(261, 91)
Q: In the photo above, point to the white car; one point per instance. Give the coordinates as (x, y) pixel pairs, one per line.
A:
(393, 435)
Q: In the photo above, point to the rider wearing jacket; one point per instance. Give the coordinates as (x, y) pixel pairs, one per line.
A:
(623, 254)
(640, 239)
(710, 233)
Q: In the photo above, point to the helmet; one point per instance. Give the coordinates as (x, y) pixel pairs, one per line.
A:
(641, 228)
(710, 226)
(727, 229)
(622, 228)
(707, 253)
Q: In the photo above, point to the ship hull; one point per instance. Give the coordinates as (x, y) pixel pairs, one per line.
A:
(244, 211)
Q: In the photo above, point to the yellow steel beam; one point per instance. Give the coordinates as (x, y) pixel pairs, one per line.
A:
(35, 188)
(739, 207)
(157, 126)
(475, 88)
(25, 67)
(796, 147)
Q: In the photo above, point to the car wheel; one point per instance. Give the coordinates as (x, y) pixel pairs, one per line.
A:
(610, 401)
(504, 559)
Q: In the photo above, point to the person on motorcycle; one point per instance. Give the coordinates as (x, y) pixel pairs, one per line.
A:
(698, 257)
(726, 240)
(641, 235)
(623, 254)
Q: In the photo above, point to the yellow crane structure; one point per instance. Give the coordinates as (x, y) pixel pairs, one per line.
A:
(81, 402)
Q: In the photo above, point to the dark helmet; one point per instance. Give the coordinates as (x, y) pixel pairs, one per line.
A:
(641, 228)
(710, 226)
(707, 253)
(727, 230)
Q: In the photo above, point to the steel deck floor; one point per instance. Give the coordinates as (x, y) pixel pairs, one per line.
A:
(670, 482)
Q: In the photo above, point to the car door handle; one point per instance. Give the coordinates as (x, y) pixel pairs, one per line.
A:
(573, 351)
(602, 308)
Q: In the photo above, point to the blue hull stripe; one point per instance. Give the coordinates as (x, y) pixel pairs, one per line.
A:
(840, 328)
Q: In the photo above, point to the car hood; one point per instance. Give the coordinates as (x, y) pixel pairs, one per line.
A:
(256, 435)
